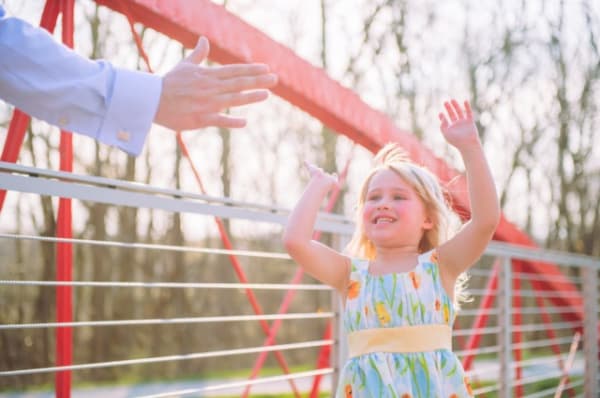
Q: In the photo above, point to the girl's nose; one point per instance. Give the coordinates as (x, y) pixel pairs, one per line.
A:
(382, 206)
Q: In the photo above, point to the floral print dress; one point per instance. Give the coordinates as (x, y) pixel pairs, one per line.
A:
(400, 299)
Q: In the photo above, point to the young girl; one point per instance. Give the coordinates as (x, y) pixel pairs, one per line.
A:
(398, 285)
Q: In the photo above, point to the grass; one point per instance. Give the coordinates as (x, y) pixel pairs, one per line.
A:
(243, 373)
(276, 395)
(542, 385)
(132, 379)
(274, 371)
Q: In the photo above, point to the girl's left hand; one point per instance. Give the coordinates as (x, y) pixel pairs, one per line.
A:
(460, 131)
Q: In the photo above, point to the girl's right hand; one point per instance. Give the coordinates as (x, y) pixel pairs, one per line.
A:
(317, 173)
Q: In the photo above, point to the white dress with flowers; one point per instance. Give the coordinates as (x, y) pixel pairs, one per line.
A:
(400, 299)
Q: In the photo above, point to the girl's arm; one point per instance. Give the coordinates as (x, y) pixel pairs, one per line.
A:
(318, 260)
(460, 252)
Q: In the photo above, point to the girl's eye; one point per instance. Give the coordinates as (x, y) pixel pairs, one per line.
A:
(398, 197)
(373, 197)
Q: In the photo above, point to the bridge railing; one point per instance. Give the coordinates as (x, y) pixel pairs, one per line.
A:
(535, 332)
(516, 338)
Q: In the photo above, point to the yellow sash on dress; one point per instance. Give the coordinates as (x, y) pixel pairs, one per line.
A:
(402, 339)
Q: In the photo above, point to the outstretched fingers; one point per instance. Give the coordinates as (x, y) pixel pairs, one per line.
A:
(450, 111)
(237, 70)
(244, 83)
(456, 112)
(457, 109)
(468, 110)
(216, 103)
(456, 124)
(444, 121)
(220, 120)
(231, 71)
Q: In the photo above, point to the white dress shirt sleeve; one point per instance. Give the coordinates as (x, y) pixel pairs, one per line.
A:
(51, 82)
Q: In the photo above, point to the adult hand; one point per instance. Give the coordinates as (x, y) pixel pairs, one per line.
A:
(194, 95)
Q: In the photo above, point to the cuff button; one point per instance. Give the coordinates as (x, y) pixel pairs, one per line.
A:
(124, 136)
(62, 121)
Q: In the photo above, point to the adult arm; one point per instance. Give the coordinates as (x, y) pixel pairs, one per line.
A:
(117, 106)
(53, 83)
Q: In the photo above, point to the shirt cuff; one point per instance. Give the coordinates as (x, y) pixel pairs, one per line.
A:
(131, 110)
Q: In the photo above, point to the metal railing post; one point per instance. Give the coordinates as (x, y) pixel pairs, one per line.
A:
(590, 331)
(505, 324)
(336, 354)
(339, 351)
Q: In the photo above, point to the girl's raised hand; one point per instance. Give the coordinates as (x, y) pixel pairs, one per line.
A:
(458, 126)
(318, 173)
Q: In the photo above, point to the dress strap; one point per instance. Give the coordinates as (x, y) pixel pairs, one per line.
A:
(358, 264)
(430, 256)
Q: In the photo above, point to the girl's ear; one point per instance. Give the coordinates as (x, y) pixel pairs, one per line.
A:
(427, 224)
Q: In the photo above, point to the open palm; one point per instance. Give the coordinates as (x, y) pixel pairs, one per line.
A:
(458, 125)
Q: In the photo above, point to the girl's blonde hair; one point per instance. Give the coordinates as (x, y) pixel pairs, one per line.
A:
(426, 185)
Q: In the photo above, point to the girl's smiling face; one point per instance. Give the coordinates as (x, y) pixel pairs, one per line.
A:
(393, 214)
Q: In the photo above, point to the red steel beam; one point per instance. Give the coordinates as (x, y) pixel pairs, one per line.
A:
(322, 361)
(14, 140)
(312, 90)
(64, 251)
(238, 269)
(481, 320)
(222, 231)
(287, 300)
(517, 334)
(547, 319)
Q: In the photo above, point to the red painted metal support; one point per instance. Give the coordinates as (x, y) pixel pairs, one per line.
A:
(517, 322)
(222, 232)
(552, 336)
(64, 311)
(10, 152)
(482, 318)
(309, 88)
(322, 361)
(578, 302)
(64, 253)
(295, 280)
(550, 332)
(238, 268)
(480, 321)
(14, 140)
